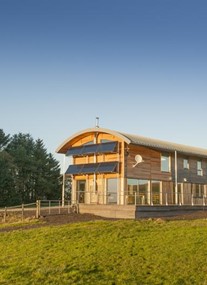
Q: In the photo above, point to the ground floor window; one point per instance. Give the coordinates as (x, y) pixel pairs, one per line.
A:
(104, 190)
(198, 190)
(137, 191)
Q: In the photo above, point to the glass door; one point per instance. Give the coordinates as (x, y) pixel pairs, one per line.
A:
(155, 188)
(112, 191)
(80, 192)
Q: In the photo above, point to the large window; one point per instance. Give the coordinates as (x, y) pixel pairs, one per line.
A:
(137, 188)
(165, 162)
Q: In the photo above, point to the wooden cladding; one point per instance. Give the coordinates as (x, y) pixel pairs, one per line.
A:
(150, 167)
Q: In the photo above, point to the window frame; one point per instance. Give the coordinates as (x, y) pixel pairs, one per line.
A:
(199, 168)
(168, 156)
(186, 164)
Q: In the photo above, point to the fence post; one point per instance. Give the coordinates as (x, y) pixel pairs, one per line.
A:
(49, 206)
(37, 209)
(22, 212)
(5, 214)
(59, 206)
(68, 206)
(135, 198)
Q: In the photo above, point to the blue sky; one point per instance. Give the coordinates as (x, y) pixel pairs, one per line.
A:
(140, 65)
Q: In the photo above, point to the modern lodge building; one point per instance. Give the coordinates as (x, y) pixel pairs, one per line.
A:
(116, 174)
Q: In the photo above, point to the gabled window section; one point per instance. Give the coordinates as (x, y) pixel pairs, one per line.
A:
(165, 162)
(110, 147)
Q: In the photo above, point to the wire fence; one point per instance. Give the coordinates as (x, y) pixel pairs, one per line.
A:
(36, 210)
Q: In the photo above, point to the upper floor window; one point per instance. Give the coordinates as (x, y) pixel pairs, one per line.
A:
(199, 168)
(185, 163)
(165, 163)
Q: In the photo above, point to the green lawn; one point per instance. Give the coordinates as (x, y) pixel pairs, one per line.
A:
(107, 252)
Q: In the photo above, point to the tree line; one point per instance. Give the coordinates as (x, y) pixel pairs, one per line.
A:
(27, 171)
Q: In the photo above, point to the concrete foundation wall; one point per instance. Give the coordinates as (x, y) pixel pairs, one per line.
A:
(109, 211)
(138, 212)
(165, 211)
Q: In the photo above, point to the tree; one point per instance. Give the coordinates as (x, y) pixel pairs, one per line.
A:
(46, 174)
(21, 149)
(4, 140)
(8, 195)
(27, 171)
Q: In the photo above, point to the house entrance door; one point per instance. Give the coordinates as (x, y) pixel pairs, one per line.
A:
(80, 192)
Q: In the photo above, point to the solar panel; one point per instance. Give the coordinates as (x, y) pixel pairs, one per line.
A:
(107, 167)
(104, 167)
(74, 169)
(92, 149)
(74, 151)
(107, 147)
(89, 149)
(89, 168)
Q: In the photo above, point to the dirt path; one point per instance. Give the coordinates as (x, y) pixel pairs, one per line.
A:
(53, 220)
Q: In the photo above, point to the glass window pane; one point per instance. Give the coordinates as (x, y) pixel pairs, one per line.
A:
(199, 168)
(112, 190)
(165, 163)
(185, 163)
(155, 192)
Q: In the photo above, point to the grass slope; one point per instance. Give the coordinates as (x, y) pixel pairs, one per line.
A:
(107, 252)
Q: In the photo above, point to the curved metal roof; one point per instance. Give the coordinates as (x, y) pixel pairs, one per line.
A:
(137, 140)
(69, 141)
(165, 145)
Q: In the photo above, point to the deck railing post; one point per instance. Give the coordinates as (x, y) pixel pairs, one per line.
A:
(166, 199)
(192, 203)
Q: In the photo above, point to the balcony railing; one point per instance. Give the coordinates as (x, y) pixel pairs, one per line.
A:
(148, 198)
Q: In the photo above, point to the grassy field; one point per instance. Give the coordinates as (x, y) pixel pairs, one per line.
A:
(107, 252)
